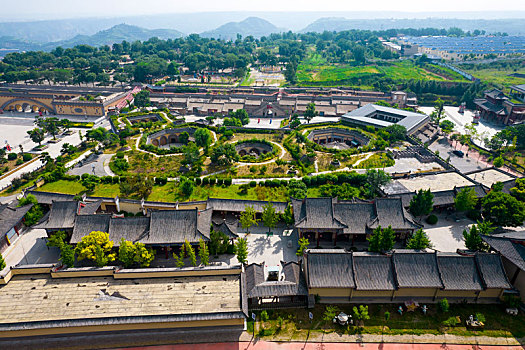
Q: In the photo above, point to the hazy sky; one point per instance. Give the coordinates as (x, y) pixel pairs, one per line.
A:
(53, 9)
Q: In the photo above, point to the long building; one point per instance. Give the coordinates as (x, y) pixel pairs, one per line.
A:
(63, 100)
(278, 103)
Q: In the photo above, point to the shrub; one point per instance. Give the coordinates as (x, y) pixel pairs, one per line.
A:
(198, 181)
(213, 181)
(120, 155)
(19, 161)
(480, 317)
(205, 181)
(443, 305)
(432, 219)
(451, 322)
(27, 157)
(227, 182)
(12, 156)
(253, 183)
(220, 182)
(264, 315)
(116, 179)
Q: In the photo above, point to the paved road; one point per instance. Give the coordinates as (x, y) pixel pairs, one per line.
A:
(463, 164)
(94, 164)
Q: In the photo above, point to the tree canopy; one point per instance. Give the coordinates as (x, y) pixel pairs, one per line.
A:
(503, 209)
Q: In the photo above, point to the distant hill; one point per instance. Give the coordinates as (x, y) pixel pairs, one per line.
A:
(254, 26)
(512, 26)
(117, 34)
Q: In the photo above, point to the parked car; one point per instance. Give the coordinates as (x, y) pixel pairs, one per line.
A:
(458, 153)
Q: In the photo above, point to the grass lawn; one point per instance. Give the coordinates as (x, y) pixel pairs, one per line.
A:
(377, 160)
(148, 164)
(296, 323)
(315, 69)
(63, 186)
(498, 76)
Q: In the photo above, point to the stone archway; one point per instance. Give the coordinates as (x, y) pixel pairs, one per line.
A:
(255, 151)
(155, 142)
(18, 108)
(163, 140)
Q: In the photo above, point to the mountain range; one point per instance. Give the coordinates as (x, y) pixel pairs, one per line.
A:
(254, 26)
(45, 35)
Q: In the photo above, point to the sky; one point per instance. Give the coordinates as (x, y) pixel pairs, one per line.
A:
(56, 9)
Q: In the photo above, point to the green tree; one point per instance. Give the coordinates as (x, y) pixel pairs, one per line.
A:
(186, 186)
(499, 162)
(375, 180)
(126, 253)
(190, 253)
(97, 247)
(419, 240)
(303, 244)
(241, 115)
(310, 112)
(203, 137)
(36, 135)
(466, 199)
(518, 192)
(396, 132)
(361, 314)
(269, 216)
(142, 99)
(447, 126)
(179, 259)
(191, 154)
(438, 109)
(204, 253)
(381, 240)
(241, 250)
(503, 209)
(184, 137)
(2, 262)
(248, 218)
(422, 203)
(288, 215)
(473, 239)
(34, 214)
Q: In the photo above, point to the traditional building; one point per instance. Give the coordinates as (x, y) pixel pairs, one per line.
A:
(497, 107)
(330, 220)
(288, 289)
(511, 246)
(11, 222)
(42, 301)
(339, 276)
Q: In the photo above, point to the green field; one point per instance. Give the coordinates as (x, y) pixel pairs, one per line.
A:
(498, 76)
(315, 70)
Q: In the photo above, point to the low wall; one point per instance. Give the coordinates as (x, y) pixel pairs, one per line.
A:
(116, 272)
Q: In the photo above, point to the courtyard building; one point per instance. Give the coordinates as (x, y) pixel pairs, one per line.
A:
(339, 276)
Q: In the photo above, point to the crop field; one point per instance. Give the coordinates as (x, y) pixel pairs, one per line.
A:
(316, 70)
(501, 77)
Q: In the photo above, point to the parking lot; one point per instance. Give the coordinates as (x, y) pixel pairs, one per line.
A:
(463, 164)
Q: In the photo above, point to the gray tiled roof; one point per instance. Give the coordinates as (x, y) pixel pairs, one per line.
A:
(174, 227)
(508, 249)
(239, 205)
(459, 272)
(85, 224)
(373, 271)
(49, 197)
(131, 229)
(390, 212)
(89, 208)
(356, 216)
(62, 215)
(327, 269)
(292, 284)
(10, 216)
(318, 213)
(492, 271)
(416, 269)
